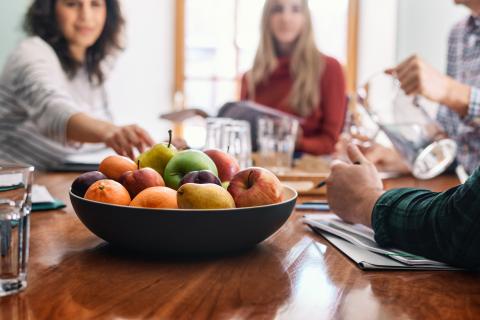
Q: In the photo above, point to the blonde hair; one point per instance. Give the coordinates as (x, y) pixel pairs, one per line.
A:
(306, 64)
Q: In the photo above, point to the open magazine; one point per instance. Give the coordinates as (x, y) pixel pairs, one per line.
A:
(361, 245)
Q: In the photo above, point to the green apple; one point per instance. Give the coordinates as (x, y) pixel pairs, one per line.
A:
(157, 156)
(184, 162)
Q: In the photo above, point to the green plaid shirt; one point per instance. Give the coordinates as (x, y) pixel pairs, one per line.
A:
(442, 226)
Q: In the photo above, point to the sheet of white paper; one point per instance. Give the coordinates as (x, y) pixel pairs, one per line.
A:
(93, 157)
(40, 194)
(362, 245)
(367, 260)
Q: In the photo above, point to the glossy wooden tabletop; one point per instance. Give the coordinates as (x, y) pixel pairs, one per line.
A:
(295, 274)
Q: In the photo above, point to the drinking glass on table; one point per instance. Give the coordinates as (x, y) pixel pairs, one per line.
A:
(232, 136)
(276, 141)
(15, 206)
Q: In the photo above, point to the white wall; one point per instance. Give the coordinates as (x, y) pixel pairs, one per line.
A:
(423, 28)
(141, 86)
(377, 37)
(11, 19)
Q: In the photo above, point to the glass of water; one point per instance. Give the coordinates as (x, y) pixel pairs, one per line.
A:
(276, 141)
(15, 206)
(232, 136)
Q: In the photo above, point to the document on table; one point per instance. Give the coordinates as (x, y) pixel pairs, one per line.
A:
(84, 161)
(358, 243)
(42, 199)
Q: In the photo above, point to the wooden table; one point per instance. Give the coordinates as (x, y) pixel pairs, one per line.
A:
(295, 274)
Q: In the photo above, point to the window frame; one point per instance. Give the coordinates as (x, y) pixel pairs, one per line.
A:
(351, 67)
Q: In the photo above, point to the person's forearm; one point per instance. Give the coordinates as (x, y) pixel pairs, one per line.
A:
(441, 226)
(457, 97)
(84, 128)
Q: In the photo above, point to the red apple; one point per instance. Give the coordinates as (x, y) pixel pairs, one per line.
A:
(255, 186)
(137, 180)
(226, 164)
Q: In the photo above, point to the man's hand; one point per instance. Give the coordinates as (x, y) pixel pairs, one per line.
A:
(419, 78)
(353, 189)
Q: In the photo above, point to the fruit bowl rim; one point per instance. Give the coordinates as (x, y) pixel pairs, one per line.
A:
(178, 210)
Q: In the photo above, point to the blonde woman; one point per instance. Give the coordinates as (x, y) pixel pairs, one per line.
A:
(290, 74)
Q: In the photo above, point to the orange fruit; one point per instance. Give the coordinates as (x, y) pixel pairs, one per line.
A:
(114, 166)
(156, 197)
(108, 191)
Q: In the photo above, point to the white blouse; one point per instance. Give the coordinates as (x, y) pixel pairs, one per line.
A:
(37, 98)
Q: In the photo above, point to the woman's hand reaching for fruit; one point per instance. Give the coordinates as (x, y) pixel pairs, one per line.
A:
(123, 139)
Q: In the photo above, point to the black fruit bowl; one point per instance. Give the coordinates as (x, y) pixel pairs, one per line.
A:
(176, 231)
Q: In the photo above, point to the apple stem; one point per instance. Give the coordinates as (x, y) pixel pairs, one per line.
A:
(228, 148)
(249, 183)
(169, 138)
(101, 187)
(138, 164)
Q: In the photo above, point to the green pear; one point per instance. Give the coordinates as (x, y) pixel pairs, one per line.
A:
(158, 156)
(225, 184)
(204, 196)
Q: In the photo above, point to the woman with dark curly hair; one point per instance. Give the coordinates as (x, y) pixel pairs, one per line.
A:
(52, 95)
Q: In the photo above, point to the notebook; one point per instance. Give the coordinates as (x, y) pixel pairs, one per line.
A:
(358, 243)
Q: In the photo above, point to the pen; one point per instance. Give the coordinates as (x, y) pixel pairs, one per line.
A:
(324, 182)
(313, 207)
(324, 202)
(321, 184)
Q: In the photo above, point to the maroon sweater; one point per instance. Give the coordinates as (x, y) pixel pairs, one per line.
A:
(322, 128)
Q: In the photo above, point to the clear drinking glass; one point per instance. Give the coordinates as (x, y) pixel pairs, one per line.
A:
(15, 206)
(408, 123)
(232, 136)
(276, 141)
(215, 132)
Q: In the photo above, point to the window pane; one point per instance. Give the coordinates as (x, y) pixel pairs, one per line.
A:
(209, 95)
(210, 38)
(249, 15)
(199, 62)
(198, 94)
(330, 20)
(225, 91)
(209, 22)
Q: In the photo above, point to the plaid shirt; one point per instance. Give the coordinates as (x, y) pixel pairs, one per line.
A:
(464, 65)
(442, 226)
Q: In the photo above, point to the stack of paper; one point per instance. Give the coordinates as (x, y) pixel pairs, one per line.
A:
(43, 200)
(358, 243)
(87, 160)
